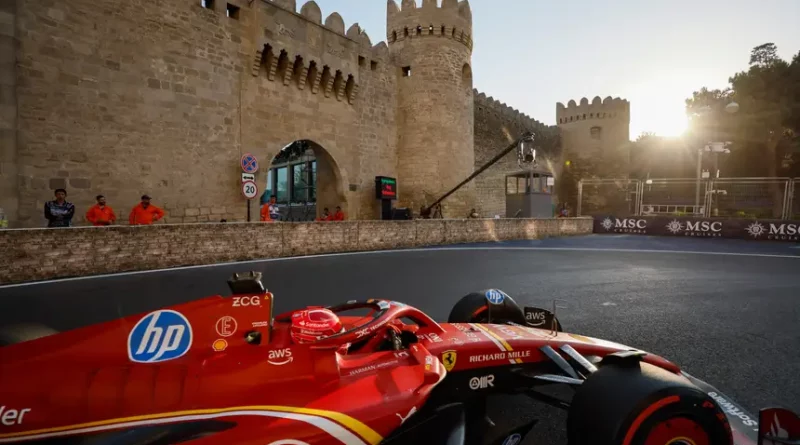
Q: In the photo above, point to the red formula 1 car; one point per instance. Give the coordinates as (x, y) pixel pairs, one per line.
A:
(223, 370)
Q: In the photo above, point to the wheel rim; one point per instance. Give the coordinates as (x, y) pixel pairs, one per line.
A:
(677, 431)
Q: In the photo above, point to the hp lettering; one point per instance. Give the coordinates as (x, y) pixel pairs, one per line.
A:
(495, 296)
(160, 336)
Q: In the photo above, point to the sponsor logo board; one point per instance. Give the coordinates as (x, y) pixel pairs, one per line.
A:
(750, 229)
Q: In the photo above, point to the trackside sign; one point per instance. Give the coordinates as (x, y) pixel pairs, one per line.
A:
(751, 229)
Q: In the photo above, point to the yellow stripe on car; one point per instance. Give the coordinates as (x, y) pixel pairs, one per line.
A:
(329, 421)
(502, 341)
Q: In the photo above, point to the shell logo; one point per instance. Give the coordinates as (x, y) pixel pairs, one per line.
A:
(220, 345)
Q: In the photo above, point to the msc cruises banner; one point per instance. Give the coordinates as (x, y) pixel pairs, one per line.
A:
(750, 229)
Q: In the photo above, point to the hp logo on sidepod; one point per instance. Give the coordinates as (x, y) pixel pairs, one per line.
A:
(160, 336)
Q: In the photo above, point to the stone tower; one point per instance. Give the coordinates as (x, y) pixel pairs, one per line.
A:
(597, 133)
(431, 47)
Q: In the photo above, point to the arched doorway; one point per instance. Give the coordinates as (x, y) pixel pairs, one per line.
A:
(304, 179)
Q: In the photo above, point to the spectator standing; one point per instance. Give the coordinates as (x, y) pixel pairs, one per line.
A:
(274, 210)
(270, 210)
(339, 215)
(265, 217)
(145, 213)
(100, 214)
(59, 212)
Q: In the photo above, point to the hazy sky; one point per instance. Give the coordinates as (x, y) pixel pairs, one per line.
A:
(531, 54)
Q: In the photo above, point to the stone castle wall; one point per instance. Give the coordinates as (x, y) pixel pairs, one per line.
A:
(123, 98)
(9, 196)
(315, 81)
(596, 132)
(432, 48)
(496, 126)
(595, 140)
(39, 254)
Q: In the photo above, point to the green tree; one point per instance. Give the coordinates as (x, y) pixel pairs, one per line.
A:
(764, 130)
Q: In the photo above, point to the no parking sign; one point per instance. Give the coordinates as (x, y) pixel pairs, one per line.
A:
(249, 163)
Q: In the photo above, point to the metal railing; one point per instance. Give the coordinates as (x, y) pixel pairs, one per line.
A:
(769, 198)
(620, 196)
(661, 194)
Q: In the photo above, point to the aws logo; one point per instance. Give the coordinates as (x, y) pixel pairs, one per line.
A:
(280, 357)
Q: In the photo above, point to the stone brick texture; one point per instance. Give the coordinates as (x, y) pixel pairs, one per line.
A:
(9, 194)
(432, 48)
(596, 134)
(39, 254)
(126, 97)
(496, 126)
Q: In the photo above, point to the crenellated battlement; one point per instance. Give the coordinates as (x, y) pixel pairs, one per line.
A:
(508, 112)
(607, 108)
(453, 20)
(334, 22)
(308, 65)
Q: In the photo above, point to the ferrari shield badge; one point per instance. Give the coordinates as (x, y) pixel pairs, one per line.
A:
(449, 360)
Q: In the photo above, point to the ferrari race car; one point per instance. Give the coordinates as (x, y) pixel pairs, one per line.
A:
(223, 370)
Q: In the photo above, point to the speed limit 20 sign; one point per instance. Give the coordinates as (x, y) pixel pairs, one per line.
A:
(249, 189)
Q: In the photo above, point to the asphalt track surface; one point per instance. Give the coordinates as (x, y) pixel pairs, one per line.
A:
(727, 311)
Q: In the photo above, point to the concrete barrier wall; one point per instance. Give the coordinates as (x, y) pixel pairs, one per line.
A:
(39, 254)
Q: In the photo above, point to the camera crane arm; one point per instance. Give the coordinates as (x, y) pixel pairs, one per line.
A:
(519, 144)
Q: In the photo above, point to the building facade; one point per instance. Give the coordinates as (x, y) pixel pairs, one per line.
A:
(123, 98)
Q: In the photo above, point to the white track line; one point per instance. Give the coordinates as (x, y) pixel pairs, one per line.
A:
(427, 249)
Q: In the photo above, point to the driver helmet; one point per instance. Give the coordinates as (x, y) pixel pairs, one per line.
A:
(310, 325)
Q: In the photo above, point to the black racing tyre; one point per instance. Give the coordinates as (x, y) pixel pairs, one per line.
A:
(20, 333)
(471, 308)
(641, 404)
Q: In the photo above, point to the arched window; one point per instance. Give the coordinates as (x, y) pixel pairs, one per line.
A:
(466, 76)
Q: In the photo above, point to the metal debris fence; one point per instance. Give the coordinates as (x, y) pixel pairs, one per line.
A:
(773, 198)
(615, 196)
